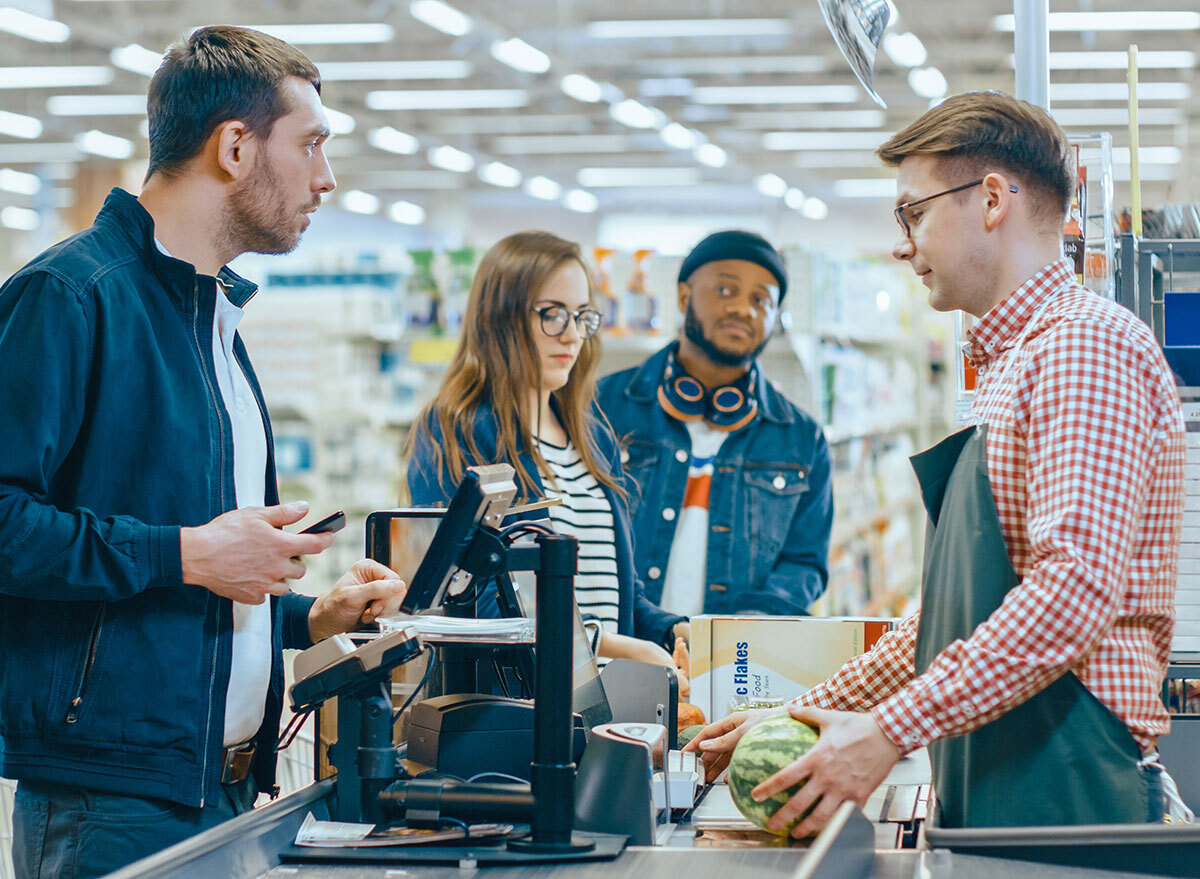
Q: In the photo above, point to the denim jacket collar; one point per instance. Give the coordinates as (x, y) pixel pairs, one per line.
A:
(126, 214)
(644, 387)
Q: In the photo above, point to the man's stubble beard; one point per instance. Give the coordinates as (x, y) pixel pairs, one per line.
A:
(259, 219)
(694, 332)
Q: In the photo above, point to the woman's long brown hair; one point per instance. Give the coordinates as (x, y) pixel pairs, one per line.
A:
(497, 362)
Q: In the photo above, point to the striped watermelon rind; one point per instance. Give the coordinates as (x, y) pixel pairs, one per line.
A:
(766, 748)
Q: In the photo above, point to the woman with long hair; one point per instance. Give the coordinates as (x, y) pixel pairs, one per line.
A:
(520, 390)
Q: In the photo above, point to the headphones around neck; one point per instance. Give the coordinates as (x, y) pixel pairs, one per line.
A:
(727, 408)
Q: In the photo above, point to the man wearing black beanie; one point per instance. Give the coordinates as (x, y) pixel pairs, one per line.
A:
(733, 506)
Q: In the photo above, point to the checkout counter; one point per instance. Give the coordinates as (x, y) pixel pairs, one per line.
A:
(602, 821)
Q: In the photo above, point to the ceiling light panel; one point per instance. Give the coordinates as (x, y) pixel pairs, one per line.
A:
(339, 122)
(594, 178)
(771, 185)
(407, 213)
(108, 146)
(96, 105)
(37, 153)
(32, 27)
(451, 159)
(1115, 117)
(360, 202)
(689, 27)
(500, 174)
(136, 59)
(905, 50)
(543, 188)
(824, 140)
(869, 187)
(777, 94)
(635, 114)
(555, 144)
(361, 71)
(1118, 91)
(53, 77)
(679, 137)
(441, 16)
(581, 88)
(19, 125)
(519, 55)
(393, 141)
(334, 33)
(19, 182)
(19, 218)
(711, 155)
(1111, 21)
(1118, 60)
(581, 200)
(447, 99)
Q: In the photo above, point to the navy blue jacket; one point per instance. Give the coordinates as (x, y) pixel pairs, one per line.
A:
(770, 506)
(636, 615)
(113, 672)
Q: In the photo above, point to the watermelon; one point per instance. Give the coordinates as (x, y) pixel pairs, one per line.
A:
(769, 746)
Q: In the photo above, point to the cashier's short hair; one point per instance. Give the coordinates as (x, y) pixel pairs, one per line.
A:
(979, 132)
(214, 75)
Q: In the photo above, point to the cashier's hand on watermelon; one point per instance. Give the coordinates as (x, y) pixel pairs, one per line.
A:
(850, 760)
(362, 595)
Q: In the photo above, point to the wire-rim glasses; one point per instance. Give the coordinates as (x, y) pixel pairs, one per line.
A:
(900, 209)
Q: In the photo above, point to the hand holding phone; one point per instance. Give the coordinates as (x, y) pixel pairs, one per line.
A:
(333, 522)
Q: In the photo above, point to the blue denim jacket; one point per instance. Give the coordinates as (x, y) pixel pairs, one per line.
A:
(113, 672)
(636, 615)
(771, 503)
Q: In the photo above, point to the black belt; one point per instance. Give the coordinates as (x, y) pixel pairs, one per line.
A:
(236, 762)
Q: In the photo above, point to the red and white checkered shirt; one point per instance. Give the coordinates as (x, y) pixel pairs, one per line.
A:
(1085, 451)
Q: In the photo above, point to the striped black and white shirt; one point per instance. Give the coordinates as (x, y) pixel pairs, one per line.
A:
(585, 514)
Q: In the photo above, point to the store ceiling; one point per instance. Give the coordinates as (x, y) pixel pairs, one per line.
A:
(768, 92)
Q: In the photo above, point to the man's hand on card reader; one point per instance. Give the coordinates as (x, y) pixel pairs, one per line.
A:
(245, 554)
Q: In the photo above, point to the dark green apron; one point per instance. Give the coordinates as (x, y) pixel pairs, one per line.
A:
(1062, 757)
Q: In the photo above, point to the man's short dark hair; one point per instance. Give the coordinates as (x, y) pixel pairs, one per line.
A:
(976, 133)
(216, 74)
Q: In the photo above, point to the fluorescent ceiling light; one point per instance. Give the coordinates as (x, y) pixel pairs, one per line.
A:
(1118, 91)
(794, 198)
(136, 59)
(53, 77)
(1077, 117)
(668, 87)
(869, 187)
(19, 218)
(19, 182)
(581, 200)
(450, 159)
(602, 177)
(544, 188)
(811, 119)
(16, 125)
(1122, 173)
(360, 202)
(500, 174)
(815, 209)
(408, 213)
(1118, 60)
(519, 55)
(38, 153)
(688, 27)
(388, 138)
(440, 16)
(1111, 21)
(776, 94)
(1167, 155)
(581, 88)
(679, 137)
(328, 34)
(928, 82)
(448, 99)
(824, 140)
(731, 64)
(710, 154)
(566, 143)
(905, 50)
(771, 185)
(107, 145)
(352, 71)
(96, 105)
(635, 115)
(836, 159)
(339, 122)
(32, 27)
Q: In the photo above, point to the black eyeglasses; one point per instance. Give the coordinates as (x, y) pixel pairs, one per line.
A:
(906, 223)
(555, 318)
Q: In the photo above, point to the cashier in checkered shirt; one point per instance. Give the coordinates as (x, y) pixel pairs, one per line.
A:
(1032, 672)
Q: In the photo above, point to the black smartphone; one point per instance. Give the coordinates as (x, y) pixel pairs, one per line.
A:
(334, 522)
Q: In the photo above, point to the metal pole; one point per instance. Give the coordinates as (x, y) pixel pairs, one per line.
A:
(1031, 50)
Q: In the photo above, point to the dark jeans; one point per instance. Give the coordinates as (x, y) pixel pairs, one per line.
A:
(1156, 795)
(62, 832)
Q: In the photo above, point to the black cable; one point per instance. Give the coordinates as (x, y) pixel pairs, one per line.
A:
(463, 824)
(413, 694)
(523, 525)
(292, 730)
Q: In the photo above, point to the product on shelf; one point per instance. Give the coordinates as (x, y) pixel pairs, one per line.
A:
(641, 305)
(610, 305)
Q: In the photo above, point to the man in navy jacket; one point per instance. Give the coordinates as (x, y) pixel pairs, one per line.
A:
(144, 597)
(732, 505)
